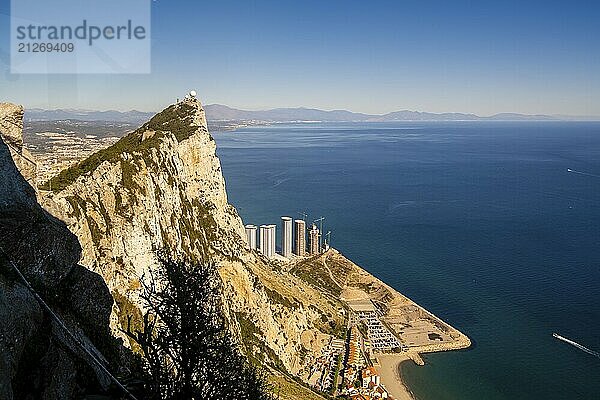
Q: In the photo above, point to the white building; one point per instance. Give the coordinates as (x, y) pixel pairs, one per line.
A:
(267, 240)
(251, 236)
(286, 236)
(271, 240)
(262, 241)
(369, 376)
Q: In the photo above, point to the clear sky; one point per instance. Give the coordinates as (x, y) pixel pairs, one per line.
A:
(373, 56)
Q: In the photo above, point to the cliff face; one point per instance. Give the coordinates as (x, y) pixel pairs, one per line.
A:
(153, 190)
(11, 126)
(37, 357)
(161, 188)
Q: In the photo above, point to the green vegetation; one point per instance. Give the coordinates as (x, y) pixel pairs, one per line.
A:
(288, 389)
(176, 119)
(77, 204)
(128, 172)
(331, 326)
(120, 205)
(105, 215)
(95, 230)
(256, 350)
(279, 298)
(185, 339)
(314, 272)
(197, 226)
(340, 268)
(365, 287)
(250, 334)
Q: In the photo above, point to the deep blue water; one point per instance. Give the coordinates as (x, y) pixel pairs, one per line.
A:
(479, 222)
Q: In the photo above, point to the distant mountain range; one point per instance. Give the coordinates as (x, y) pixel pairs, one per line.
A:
(133, 116)
(221, 112)
(218, 112)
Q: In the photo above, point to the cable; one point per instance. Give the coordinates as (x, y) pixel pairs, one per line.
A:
(57, 319)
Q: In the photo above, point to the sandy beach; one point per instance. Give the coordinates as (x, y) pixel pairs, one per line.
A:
(389, 370)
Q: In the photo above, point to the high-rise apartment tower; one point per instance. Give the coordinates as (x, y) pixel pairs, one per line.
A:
(286, 236)
(251, 236)
(300, 237)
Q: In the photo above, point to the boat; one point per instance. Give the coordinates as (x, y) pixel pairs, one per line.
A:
(579, 346)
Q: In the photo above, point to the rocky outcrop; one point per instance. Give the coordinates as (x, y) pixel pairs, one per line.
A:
(152, 190)
(11, 126)
(161, 188)
(38, 358)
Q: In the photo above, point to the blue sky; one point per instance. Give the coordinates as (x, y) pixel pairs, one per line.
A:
(369, 56)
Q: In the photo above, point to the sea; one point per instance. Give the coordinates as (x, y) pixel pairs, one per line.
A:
(492, 226)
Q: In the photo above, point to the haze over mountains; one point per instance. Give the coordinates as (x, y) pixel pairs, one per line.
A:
(218, 112)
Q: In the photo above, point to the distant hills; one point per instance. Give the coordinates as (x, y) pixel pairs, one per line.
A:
(218, 112)
(221, 112)
(133, 116)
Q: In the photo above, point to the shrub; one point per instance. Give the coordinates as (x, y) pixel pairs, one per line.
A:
(185, 340)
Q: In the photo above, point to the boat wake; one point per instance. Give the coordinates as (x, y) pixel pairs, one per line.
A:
(579, 346)
(582, 173)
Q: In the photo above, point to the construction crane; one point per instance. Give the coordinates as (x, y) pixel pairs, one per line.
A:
(303, 214)
(320, 220)
(327, 240)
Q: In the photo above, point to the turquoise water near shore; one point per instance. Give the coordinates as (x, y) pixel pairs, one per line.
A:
(479, 222)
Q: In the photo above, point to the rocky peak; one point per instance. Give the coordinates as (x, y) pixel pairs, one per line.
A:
(177, 123)
(11, 132)
(199, 116)
(11, 125)
(183, 119)
(162, 188)
(158, 188)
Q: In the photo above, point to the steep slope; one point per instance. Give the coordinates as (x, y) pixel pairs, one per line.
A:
(38, 357)
(161, 188)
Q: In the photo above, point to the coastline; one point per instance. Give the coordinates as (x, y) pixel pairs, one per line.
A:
(391, 376)
(408, 321)
(387, 312)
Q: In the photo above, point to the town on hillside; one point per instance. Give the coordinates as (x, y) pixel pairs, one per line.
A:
(346, 367)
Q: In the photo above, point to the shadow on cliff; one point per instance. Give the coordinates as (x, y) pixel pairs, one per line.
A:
(59, 352)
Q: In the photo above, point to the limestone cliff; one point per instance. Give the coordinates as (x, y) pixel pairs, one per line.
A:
(38, 357)
(11, 126)
(161, 188)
